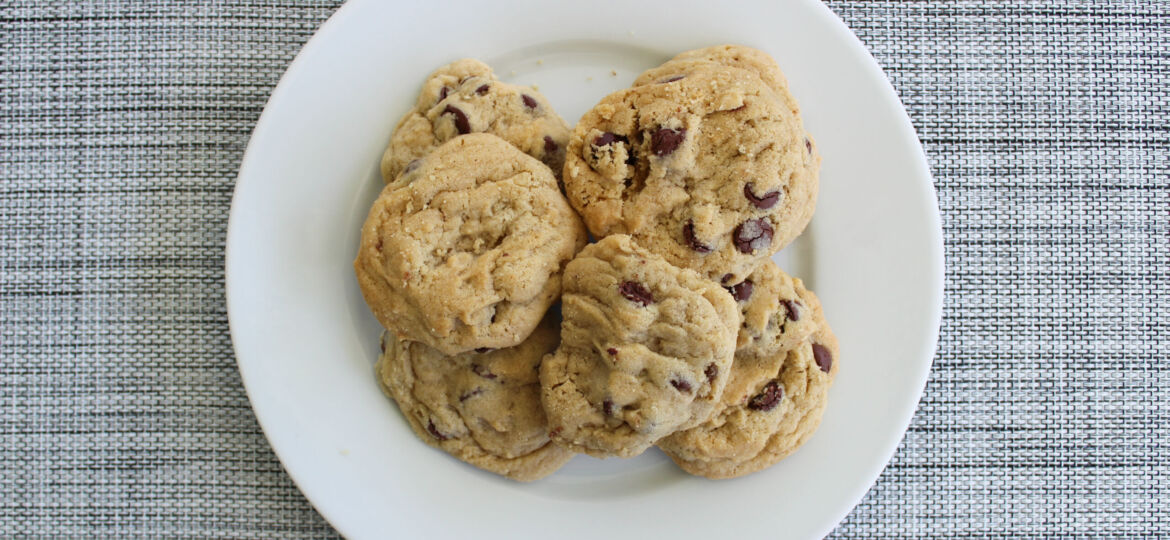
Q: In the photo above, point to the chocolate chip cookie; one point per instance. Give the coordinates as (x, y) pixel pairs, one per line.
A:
(465, 97)
(467, 252)
(645, 350)
(483, 408)
(709, 169)
(784, 365)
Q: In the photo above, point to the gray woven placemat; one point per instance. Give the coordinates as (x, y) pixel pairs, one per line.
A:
(122, 125)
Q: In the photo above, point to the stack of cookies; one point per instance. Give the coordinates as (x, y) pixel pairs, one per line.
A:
(675, 328)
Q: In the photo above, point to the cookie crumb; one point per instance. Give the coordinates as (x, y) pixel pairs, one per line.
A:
(512, 73)
(540, 62)
(613, 73)
(343, 451)
(588, 78)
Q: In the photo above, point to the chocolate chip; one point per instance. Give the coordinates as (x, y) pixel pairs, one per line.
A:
(689, 236)
(378, 245)
(823, 357)
(483, 89)
(793, 310)
(550, 146)
(471, 394)
(529, 101)
(680, 385)
(753, 234)
(414, 163)
(482, 371)
(741, 291)
(726, 278)
(768, 398)
(763, 202)
(808, 145)
(612, 351)
(482, 350)
(435, 431)
(443, 93)
(607, 407)
(462, 125)
(636, 292)
(607, 138)
(665, 141)
(382, 344)
(711, 372)
(672, 79)
(555, 431)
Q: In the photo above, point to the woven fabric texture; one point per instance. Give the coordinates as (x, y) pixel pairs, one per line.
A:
(122, 125)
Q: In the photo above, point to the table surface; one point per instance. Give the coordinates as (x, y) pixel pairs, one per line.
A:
(1045, 122)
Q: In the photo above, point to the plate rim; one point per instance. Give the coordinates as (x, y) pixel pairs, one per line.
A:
(844, 34)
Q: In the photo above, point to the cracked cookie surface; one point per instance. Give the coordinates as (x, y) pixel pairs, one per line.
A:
(645, 350)
(483, 408)
(736, 56)
(466, 97)
(467, 250)
(785, 362)
(710, 169)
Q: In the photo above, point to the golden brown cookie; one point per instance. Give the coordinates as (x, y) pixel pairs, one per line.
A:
(645, 350)
(482, 408)
(467, 250)
(709, 169)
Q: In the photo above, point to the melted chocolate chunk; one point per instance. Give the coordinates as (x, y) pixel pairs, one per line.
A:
(636, 292)
(607, 138)
(763, 202)
(711, 372)
(681, 385)
(792, 308)
(482, 371)
(607, 407)
(694, 243)
(665, 141)
(529, 101)
(550, 146)
(742, 290)
(483, 89)
(752, 235)
(462, 125)
(435, 431)
(768, 397)
(823, 357)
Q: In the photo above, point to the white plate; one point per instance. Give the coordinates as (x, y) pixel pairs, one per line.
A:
(305, 342)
